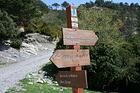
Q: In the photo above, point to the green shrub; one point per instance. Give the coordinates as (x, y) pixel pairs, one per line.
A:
(52, 70)
(16, 43)
(40, 26)
(7, 27)
(52, 30)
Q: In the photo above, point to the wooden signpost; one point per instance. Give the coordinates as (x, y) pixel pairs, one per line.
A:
(76, 79)
(74, 57)
(70, 58)
(72, 20)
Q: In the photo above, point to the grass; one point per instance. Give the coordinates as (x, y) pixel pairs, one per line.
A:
(42, 88)
(27, 87)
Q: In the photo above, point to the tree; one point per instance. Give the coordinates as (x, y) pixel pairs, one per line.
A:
(65, 4)
(56, 5)
(21, 10)
(7, 27)
(41, 6)
(99, 2)
(113, 58)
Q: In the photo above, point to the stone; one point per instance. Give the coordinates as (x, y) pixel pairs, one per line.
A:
(30, 83)
(40, 81)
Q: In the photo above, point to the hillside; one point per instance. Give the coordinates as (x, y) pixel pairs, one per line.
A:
(115, 59)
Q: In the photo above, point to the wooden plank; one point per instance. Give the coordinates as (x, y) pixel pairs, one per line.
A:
(79, 37)
(75, 79)
(70, 58)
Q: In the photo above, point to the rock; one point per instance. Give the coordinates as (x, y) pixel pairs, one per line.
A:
(40, 72)
(30, 83)
(55, 83)
(21, 29)
(34, 44)
(54, 88)
(61, 89)
(40, 81)
(23, 89)
(49, 82)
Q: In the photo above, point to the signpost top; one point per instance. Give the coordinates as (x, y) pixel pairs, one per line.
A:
(72, 20)
(73, 11)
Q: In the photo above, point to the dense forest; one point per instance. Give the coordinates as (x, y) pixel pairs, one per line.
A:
(115, 59)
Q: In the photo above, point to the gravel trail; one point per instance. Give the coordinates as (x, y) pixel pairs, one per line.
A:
(10, 75)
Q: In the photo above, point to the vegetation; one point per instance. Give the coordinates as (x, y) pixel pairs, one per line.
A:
(42, 88)
(7, 27)
(65, 4)
(20, 10)
(115, 59)
(115, 62)
(27, 14)
(56, 5)
(16, 43)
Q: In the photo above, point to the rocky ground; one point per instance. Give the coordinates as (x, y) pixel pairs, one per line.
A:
(15, 64)
(32, 45)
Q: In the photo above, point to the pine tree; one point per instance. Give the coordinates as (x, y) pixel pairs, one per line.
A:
(7, 27)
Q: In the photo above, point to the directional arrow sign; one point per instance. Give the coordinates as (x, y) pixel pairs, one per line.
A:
(75, 79)
(79, 37)
(70, 58)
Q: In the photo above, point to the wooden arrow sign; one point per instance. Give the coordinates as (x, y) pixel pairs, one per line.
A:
(79, 37)
(70, 58)
(75, 79)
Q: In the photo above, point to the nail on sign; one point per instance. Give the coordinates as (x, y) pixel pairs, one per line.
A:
(75, 79)
(70, 58)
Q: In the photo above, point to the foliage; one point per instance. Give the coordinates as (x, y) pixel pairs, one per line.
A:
(16, 43)
(41, 6)
(51, 70)
(113, 57)
(135, 40)
(99, 2)
(56, 18)
(42, 88)
(56, 5)
(99, 19)
(40, 26)
(21, 10)
(7, 27)
(65, 4)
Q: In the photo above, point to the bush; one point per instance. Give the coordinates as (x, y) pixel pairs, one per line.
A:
(7, 27)
(52, 30)
(52, 70)
(113, 58)
(16, 43)
(40, 26)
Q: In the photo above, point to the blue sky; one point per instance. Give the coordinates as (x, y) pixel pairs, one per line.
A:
(77, 2)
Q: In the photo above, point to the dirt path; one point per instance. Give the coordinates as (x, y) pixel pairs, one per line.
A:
(11, 74)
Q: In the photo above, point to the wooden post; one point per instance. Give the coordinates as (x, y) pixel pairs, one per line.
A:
(74, 24)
